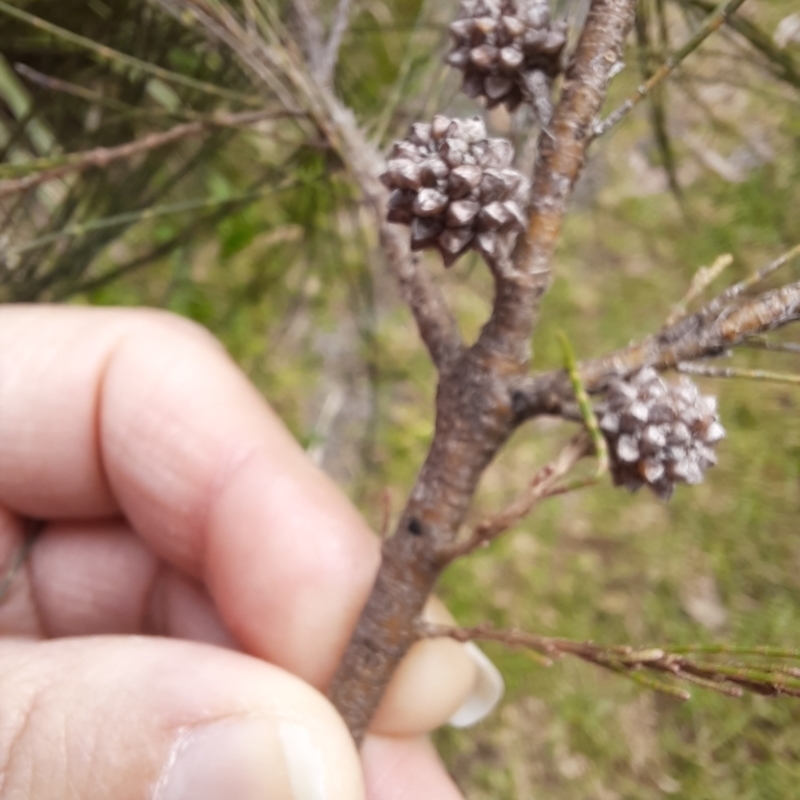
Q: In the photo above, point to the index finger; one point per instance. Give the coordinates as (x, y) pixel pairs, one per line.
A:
(110, 411)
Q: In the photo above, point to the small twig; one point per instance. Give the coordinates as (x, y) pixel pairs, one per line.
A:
(648, 681)
(395, 93)
(712, 23)
(707, 371)
(60, 290)
(763, 343)
(48, 169)
(766, 651)
(330, 54)
(129, 217)
(256, 51)
(779, 62)
(306, 20)
(702, 278)
(96, 97)
(658, 114)
(544, 484)
(729, 678)
(714, 686)
(738, 289)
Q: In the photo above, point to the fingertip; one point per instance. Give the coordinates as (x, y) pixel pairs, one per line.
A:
(405, 769)
(135, 717)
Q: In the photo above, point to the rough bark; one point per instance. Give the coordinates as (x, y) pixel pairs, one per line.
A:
(475, 405)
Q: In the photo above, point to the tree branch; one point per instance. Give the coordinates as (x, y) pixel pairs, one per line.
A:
(681, 664)
(543, 485)
(561, 155)
(330, 54)
(475, 411)
(713, 23)
(43, 170)
(706, 333)
(484, 392)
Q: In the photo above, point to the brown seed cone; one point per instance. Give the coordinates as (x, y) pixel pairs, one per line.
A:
(509, 51)
(658, 434)
(455, 188)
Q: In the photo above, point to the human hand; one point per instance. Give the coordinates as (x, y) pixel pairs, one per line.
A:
(175, 504)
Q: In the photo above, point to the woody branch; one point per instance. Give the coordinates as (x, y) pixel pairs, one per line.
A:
(485, 391)
(475, 410)
(710, 332)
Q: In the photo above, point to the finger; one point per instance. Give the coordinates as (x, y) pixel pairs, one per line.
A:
(93, 578)
(52, 362)
(152, 417)
(96, 578)
(405, 769)
(136, 717)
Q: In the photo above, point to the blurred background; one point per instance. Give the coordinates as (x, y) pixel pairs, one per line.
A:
(246, 222)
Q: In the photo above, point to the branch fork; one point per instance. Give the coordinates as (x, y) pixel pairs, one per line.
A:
(485, 391)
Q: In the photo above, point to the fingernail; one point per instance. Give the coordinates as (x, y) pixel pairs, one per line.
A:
(486, 691)
(487, 685)
(244, 759)
(439, 681)
(304, 762)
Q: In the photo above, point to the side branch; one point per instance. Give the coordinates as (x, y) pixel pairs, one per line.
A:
(435, 322)
(779, 61)
(707, 333)
(50, 169)
(714, 21)
(738, 289)
(763, 375)
(545, 483)
(561, 155)
(682, 664)
(330, 54)
(306, 19)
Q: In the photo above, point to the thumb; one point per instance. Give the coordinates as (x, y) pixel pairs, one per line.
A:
(137, 717)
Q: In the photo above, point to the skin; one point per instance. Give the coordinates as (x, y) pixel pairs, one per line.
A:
(175, 505)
